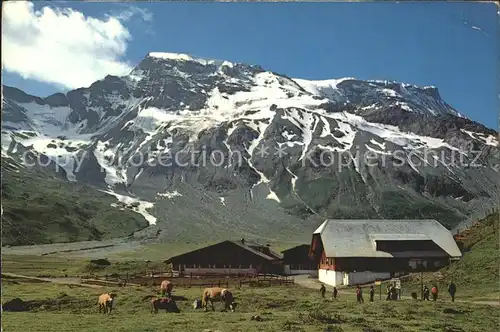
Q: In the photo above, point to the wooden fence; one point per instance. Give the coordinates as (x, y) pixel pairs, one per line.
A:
(155, 279)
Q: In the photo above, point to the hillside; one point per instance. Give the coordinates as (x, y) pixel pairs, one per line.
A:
(38, 207)
(479, 266)
(476, 274)
(208, 148)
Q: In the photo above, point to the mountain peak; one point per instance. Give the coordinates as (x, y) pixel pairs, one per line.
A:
(247, 144)
(186, 57)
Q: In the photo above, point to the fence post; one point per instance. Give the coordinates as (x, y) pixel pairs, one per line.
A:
(106, 277)
(227, 284)
(240, 282)
(219, 284)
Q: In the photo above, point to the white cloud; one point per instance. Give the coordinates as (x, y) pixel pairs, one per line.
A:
(131, 11)
(61, 45)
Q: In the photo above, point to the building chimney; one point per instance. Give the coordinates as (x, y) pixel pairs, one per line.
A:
(242, 241)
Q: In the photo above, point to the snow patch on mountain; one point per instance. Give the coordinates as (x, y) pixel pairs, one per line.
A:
(381, 145)
(488, 140)
(49, 120)
(308, 128)
(377, 151)
(327, 88)
(391, 133)
(186, 57)
(272, 195)
(104, 158)
(170, 195)
(138, 205)
(491, 140)
(149, 119)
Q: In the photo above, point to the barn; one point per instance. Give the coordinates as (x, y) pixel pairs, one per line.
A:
(296, 260)
(228, 258)
(353, 252)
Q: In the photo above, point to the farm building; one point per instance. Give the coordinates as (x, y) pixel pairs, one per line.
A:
(296, 260)
(228, 258)
(361, 251)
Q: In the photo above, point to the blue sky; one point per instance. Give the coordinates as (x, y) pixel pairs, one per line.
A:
(453, 46)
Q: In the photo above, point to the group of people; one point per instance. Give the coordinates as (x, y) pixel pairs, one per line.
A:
(392, 292)
(452, 289)
(322, 291)
(359, 293)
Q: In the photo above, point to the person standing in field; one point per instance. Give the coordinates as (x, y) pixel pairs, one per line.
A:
(452, 289)
(372, 293)
(335, 293)
(388, 293)
(359, 294)
(434, 291)
(322, 290)
(426, 293)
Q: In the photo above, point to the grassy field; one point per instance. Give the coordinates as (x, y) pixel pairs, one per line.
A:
(71, 308)
(64, 308)
(57, 266)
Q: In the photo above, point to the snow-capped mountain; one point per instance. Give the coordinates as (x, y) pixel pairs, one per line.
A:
(199, 142)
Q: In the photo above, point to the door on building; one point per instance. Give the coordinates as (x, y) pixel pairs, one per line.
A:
(345, 278)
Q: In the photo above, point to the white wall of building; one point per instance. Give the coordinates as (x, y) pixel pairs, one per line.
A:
(330, 277)
(338, 278)
(354, 278)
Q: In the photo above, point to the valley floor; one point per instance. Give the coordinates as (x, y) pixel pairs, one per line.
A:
(293, 308)
(58, 303)
(118, 249)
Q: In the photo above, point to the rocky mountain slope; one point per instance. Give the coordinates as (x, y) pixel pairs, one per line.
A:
(206, 148)
(38, 207)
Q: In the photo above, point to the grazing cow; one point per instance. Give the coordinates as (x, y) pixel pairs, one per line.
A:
(164, 303)
(166, 288)
(217, 294)
(106, 302)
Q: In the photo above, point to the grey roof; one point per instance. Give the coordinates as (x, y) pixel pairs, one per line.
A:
(356, 238)
(255, 251)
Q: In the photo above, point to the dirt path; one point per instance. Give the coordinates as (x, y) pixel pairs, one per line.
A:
(305, 281)
(62, 281)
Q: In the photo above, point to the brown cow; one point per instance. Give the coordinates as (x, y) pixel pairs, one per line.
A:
(217, 294)
(164, 303)
(106, 302)
(166, 288)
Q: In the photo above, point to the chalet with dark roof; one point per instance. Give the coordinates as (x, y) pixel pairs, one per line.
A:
(296, 261)
(228, 258)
